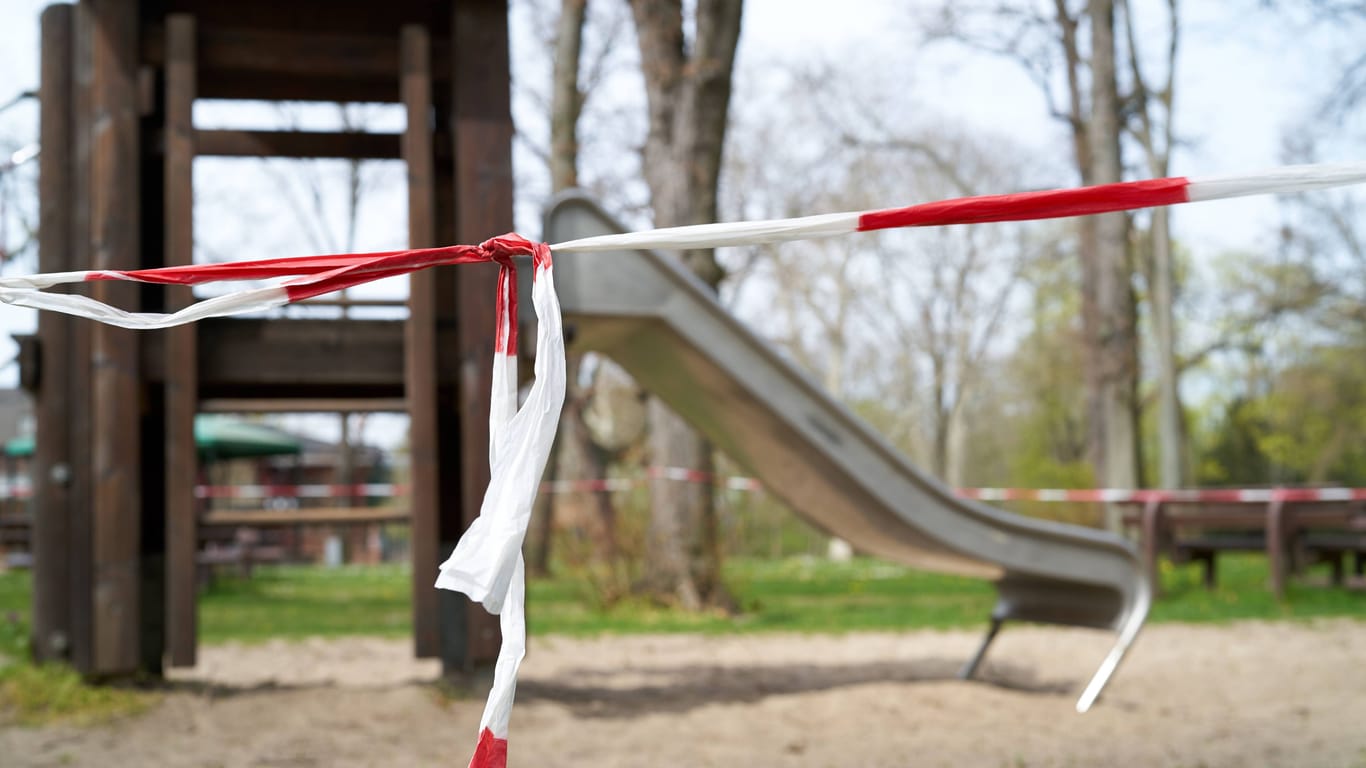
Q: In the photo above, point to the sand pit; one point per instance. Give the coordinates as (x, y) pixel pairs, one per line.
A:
(1245, 694)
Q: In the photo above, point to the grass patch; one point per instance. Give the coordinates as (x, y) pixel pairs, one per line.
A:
(292, 601)
(794, 594)
(53, 693)
(798, 594)
(1243, 593)
(41, 694)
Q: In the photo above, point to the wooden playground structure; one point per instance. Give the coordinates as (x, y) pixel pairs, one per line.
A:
(114, 526)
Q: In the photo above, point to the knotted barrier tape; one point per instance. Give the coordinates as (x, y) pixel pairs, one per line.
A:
(487, 562)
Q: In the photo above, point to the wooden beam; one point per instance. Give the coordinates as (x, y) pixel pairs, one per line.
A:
(323, 17)
(250, 358)
(306, 516)
(182, 386)
(226, 143)
(302, 50)
(420, 351)
(52, 525)
(116, 437)
(284, 52)
(483, 188)
(306, 405)
(297, 360)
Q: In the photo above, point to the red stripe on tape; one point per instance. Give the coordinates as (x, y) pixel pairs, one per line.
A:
(492, 752)
(1023, 206)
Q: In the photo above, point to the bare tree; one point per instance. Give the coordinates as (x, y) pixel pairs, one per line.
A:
(1080, 41)
(902, 324)
(687, 87)
(1151, 124)
(574, 453)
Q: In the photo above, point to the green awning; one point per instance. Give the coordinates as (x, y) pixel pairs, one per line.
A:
(216, 437)
(19, 446)
(220, 437)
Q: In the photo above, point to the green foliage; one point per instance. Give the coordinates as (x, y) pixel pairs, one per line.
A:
(1045, 422)
(1317, 417)
(1234, 455)
(1306, 427)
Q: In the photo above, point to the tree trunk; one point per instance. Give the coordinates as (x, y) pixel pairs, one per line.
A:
(1169, 431)
(1115, 357)
(1157, 145)
(689, 98)
(566, 106)
(566, 101)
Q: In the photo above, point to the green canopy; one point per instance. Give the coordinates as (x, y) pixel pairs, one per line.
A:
(216, 437)
(19, 446)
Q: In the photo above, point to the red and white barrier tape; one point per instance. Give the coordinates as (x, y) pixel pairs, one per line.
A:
(306, 491)
(1023, 206)
(487, 564)
(1143, 496)
(315, 275)
(21, 489)
(1065, 495)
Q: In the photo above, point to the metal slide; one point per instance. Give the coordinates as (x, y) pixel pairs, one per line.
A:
(660, 323)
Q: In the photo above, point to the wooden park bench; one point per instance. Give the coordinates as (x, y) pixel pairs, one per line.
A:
(1332, 547)
(15, 542)
(237, 548)
(233, 537)
(1292, 527)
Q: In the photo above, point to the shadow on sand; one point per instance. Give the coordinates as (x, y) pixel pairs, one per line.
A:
(655, 690)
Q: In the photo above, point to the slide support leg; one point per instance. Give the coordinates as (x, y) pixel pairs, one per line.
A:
(969, 669)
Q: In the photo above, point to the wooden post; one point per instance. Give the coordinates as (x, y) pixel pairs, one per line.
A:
(483, 188)
(52, 502)
(419, 378)
(181, 391)
(115, 435)
(1151, 532)
(78, 417)
(1276, 549)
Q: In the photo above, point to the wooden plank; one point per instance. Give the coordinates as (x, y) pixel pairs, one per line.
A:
(259, 86)
(115, 435)
(304, 405)
(285, 52)
(483, 188)
(307, 516)
(250, 357)
(226, 143)
(52, 525)
(182, 386)
(420, 351)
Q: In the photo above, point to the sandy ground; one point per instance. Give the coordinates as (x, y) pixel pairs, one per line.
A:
(1248, 694)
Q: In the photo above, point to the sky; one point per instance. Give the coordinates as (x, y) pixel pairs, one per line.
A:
(1245, 78)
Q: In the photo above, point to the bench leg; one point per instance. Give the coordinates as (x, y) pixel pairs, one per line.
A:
(1275, 546)
(1151, 531)
(1335, 563)
(1211, 569)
